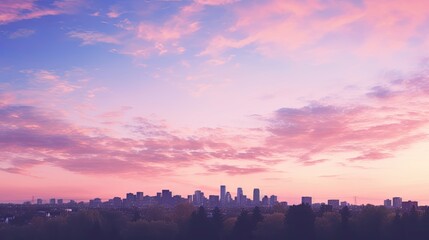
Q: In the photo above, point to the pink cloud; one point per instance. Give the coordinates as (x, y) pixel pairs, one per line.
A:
(12, 11)
(114, 12)
(33, 133)
(219, 44)
(386, 121)
(161, 38)
(372, 155)
(174, 28)
(215, 2)
(278, 27)
(54, 82)
(145, 38)
(235, 170)
(89, 37)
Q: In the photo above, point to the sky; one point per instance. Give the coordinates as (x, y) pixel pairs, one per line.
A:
(323, 98)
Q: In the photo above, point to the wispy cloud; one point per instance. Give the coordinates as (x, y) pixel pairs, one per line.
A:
(21, 33)
(114, 12)
(54, 82)
(12, 11)
(371, 130)
(216, 2)
(237, 170)
(147, 38)
(90, 37)
(293, 27)
(30, 131)
(386, 119)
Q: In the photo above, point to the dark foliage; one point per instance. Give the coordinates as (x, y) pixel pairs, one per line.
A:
(300, 222)
(186, 222)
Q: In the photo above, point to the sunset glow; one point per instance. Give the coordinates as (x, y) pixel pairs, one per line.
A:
(322, 98)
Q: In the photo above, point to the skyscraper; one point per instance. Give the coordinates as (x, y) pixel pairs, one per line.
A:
(198, 198)
(256, 197)
(139, 196)
(335, 203)
(228, 198)
(239, 196)
(397, 202)
(265, 201)
(409, 205)
(273, 200)
(306, 200)
(222, 194)
(387, 203)
(131, 197)
(166, 196)
(213, 200)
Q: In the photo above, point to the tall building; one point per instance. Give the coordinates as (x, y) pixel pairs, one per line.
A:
(306, 200)
(256, 197)
(39, 201)
(96, 203)
(117, 202)
(213, 200)
(397, 202)
(228, 198)
(166, 196)
(131, 197)
(222, 194)
(60, 201)
(335, 203)
(409, 205)
(265, 201)
(387, 203)
(52, 201)
(198, 198)
(240, 199)
(273, 200)
(140, 196)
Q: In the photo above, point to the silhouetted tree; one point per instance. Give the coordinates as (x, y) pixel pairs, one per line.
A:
(271, 228)
(396, 229)
(216, 223)
(345, 216)
(136, 215)
(410, 224)
(299, 222)
(324, 209)
(424, 224)
(370, 223)
(243, 226)
(199, 227)
(256, 217)
(148, 230)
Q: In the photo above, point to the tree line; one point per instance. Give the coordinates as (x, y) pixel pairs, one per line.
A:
(298, 222)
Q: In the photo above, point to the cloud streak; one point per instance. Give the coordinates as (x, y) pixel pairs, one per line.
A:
(293, 27)
(29, 131)
(90, 37)
(388, 119)
(375, 129)
(18, 10)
